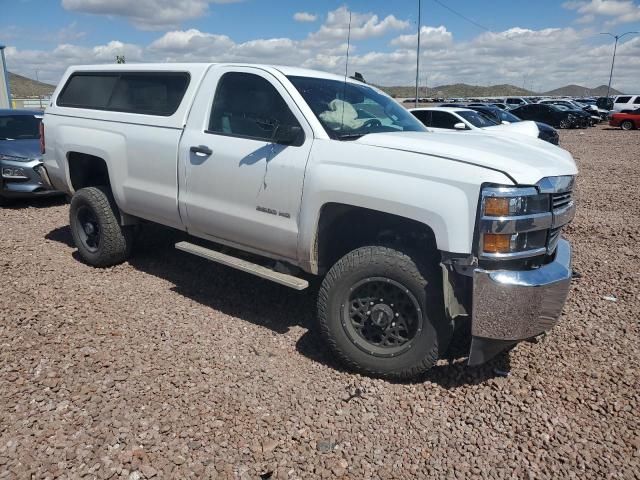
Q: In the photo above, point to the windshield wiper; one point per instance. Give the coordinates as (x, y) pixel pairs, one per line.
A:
(350, 136)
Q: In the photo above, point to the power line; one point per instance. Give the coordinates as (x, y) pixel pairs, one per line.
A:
(464, 17)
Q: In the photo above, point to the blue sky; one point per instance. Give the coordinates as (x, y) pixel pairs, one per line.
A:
(541, 44)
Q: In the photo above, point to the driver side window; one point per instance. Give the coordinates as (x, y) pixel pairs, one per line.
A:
(443, 120)
(248, 106)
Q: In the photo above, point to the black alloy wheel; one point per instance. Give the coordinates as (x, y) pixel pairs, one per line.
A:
(89, 233)
(381, 316)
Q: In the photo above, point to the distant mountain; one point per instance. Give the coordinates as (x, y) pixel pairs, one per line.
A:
(579, 91)
(25, 87)
(463, 90)
(458, 90)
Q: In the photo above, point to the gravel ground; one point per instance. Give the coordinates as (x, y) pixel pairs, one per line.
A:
(172, 367)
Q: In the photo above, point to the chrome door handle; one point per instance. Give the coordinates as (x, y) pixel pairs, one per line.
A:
(201, 150)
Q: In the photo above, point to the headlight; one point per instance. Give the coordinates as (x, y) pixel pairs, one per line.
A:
(509, 202)
(14, 173)
(514, 222)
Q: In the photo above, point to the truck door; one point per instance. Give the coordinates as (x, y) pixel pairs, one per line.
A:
(239, 185)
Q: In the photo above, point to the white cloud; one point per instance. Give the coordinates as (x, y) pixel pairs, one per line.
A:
(363, 26)
(51, 64)
(430, 37)
(618, 11)
(146, 14)
(304, 17)
(191, 41)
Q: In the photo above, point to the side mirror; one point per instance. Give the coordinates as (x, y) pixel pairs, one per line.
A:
(287, 134)
(460, 126)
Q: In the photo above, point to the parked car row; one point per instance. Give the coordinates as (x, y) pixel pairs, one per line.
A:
(481, 119)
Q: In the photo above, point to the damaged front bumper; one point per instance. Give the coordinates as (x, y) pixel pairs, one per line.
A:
(511, 306)
(24, 179)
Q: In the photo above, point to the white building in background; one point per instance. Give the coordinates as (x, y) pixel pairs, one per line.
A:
(31, 103)
(5, 94)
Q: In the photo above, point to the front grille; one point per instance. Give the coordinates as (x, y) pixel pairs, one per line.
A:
(554, 237)
(559, 200)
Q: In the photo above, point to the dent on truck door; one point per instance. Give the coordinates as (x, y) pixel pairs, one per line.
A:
(240, 185)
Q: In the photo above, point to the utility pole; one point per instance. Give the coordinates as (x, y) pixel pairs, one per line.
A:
(418, 52)
(613, 60)
(5, 90)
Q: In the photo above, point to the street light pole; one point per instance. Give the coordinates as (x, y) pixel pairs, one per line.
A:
(418, 52)
(613, 60)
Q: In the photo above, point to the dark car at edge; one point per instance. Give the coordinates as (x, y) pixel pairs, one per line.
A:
(551, 115)
(545, 132)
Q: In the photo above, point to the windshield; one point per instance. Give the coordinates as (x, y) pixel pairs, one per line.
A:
(19, 127)
(477, 119)
(508, 117)
(348, 111)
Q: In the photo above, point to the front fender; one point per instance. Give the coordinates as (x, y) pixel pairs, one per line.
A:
(437, 192)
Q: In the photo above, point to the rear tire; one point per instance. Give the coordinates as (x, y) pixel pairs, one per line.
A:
(627, 125)
(381, 312)
(97, 233)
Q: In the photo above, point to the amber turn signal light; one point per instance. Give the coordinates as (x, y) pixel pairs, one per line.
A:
(495, 243)
(496, 206)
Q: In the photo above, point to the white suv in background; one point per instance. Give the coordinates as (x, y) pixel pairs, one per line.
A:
(626, 102)
(513, 102)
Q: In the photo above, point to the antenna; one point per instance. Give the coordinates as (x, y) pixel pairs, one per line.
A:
(346, 72)
(418, 52)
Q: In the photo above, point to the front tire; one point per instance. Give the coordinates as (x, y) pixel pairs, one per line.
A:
(627, 125)
(97, 233)
(564, 123)
(381, 312)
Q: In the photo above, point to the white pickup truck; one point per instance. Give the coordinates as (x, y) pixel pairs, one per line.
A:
(289, 173)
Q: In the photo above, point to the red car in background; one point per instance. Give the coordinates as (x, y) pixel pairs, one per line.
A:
(626, 121)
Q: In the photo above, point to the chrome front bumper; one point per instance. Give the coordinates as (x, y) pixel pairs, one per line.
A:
(510, 306)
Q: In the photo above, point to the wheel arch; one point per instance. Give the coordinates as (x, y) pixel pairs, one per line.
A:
(86, 170)
(343, 227)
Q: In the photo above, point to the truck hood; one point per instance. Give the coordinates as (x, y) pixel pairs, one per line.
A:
(524, 159)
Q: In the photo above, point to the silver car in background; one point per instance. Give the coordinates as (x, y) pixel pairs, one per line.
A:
(20, 156)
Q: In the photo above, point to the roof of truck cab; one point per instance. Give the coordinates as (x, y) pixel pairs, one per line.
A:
(176, 67)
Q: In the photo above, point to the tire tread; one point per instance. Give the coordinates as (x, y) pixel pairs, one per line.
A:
(116, 241)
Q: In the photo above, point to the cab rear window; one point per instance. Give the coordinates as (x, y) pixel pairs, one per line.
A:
(149, 93)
